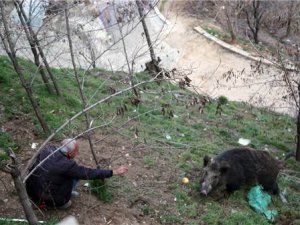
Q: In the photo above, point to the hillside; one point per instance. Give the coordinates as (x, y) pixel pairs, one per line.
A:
(161, 140)
(160, 130)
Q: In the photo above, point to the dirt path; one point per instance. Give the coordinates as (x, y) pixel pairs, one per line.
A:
(207, 62)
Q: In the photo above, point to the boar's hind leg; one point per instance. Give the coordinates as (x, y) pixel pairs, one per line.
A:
(275, 188)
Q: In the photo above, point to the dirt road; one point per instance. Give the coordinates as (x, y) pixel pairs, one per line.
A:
(208, 62)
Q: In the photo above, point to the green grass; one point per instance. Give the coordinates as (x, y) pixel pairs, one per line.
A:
(245, 43)
(149, 161)
(100, 189)
(171, 128)
(219, 34)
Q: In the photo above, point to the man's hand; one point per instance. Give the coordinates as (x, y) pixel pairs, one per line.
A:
(120, 171)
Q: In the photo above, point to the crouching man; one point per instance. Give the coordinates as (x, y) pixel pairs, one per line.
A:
(53, 183)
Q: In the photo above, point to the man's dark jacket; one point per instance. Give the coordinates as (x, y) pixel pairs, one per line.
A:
(52, 182)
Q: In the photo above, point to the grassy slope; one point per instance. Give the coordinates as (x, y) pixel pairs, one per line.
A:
(189, 134)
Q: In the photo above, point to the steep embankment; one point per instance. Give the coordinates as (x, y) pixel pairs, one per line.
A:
(207, 63)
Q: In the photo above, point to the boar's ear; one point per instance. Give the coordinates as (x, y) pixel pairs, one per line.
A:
(206, 160)
(224, 166)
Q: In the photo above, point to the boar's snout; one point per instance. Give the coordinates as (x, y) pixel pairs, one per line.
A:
(205, 188)
(204, 192)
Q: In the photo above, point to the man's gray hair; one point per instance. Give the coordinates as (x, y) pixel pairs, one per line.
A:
(68, 145)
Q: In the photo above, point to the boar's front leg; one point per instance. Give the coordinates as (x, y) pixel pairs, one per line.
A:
(234, 183)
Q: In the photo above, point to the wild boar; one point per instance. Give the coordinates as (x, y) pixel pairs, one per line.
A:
(237, 167)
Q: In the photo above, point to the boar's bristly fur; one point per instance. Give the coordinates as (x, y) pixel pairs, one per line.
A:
(236, 167)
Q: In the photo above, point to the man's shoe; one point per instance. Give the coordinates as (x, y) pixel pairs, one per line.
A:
(66, 206)
(75, 194)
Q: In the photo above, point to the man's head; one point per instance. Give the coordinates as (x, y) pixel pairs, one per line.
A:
(70, 148)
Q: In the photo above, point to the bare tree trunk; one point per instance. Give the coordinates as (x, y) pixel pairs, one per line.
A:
(229, 23)
(20, 188)
(84, 104)
(34, 43)
(255, 23)
(142, 17)
(10, 50)
(34, 51)
(298, 128)
(23, 196)
(290, 18)
(130, 68)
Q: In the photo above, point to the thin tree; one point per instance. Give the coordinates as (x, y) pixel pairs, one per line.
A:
(290, 17)
(292, 84)
(11, 52)
(83, 100)
(129, 67)
(254, 15)
(13, 170)
(148, 38)
(229, 15)
(36, 49)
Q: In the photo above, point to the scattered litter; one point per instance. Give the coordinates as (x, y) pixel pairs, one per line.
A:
(34, 145)
(127, 155)
(168, 137)
(16, 220)
(163, 202)
(233, 211)
(86, 184)
(282, 196)
(243, 141)
(259, 200)
(91, 123)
